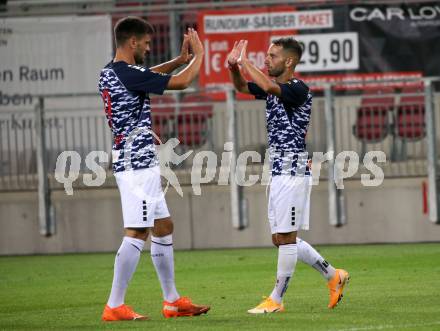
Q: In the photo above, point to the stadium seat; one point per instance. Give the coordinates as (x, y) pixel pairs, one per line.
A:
(189, 16)
(410, 117)
(378, 96)
(160, 50)
(193, 120)
(162, 115)
(372, 119)
(372, 123)
(131, 6)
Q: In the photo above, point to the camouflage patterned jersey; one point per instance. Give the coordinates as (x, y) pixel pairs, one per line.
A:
(125, 90)
(288, 119)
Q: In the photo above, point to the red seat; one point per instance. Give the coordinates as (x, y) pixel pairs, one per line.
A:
(163, 104)
(131, 6)
(411, 121)
(416, 95)
(193, 120)
(413, 88)
(160, 51)
(377, 90)
(163, 108)
(378, 96)
(410, 118)
(189, 17)
(372, 124)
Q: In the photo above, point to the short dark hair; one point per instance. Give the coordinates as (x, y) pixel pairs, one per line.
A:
(290, 45)
(130, 26)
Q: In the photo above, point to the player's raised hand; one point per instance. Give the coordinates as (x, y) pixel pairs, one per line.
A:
(194, 42)
(185, 56)
(243, 52)
(235, 53)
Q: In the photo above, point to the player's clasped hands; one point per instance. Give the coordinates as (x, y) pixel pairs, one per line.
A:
(194, 42)
(238, 53)
(185, 56)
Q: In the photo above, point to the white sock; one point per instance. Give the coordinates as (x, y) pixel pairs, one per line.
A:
(310, 256)
(126, 261)
(162, 256)
(287, 256)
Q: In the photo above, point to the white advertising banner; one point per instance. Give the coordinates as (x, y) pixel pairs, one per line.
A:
(328, 51)
(273, 21)
(51, 55)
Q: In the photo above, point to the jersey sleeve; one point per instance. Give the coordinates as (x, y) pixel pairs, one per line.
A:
(294, 92)
(257, 91)
(140, 79)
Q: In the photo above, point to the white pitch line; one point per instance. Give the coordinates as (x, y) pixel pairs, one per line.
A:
(390, 326)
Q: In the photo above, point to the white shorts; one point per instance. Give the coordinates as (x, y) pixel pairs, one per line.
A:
(289, 203)
(142, 197)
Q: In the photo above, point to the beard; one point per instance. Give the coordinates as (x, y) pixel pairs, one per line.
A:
(139, 58)
(275, 72)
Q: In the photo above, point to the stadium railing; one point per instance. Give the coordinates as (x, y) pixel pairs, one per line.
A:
(392, 121)
(363, 122)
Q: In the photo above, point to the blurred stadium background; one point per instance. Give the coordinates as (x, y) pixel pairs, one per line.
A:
(373, 67)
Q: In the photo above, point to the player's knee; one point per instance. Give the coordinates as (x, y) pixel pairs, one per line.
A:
(163, 227)
(286, 238)
(274, 240)
(137, 233)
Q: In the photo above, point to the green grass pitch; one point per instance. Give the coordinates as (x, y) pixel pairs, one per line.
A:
(392, 287)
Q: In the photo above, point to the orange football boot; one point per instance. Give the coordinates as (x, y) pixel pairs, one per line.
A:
(183, 307)
(336, 286)
(121, 313)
